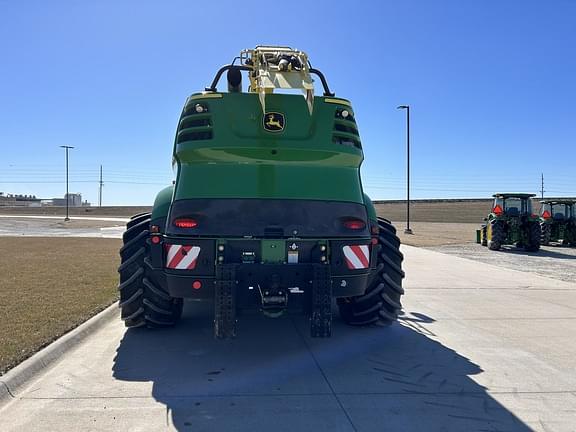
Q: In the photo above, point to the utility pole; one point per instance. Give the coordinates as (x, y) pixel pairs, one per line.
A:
(407, 108)
(100, 193)
(542, 190)
(67, 218)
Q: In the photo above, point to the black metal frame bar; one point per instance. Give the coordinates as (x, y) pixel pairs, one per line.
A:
(327, 91)
(213, 86)
(223, 69)
(225, 302)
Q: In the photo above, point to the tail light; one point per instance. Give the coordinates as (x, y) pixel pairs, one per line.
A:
(497, 210)
(546, 214)
(354, 224)
(185, 223)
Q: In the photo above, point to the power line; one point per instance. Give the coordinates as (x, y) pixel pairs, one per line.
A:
(84, 181)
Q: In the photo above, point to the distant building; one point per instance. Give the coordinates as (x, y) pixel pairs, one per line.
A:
(12, 200)
(74, 200)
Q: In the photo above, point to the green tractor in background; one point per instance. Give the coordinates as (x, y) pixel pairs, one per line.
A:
(558, 221)
(511, 222)
(267, 211)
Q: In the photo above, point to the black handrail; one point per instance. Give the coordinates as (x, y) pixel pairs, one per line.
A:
(327, 91)
(213, 86)
(223, 69)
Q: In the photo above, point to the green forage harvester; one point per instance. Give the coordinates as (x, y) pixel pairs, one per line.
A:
(267, 210)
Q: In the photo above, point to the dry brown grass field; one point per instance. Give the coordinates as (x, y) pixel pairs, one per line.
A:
(445, 211)
(48, 286)
(436, 211)
(427, 234)
(436, 223)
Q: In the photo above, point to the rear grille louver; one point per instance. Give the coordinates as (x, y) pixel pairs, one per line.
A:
(194, 126)
(345, 131)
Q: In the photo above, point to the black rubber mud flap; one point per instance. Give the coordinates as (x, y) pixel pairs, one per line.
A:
(321, 320)
(225, 302)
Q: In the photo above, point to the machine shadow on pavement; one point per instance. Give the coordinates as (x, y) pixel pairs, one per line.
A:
(273, 376)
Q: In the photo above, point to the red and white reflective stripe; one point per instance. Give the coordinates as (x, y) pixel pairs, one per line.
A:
(357, 256)
(181, 257)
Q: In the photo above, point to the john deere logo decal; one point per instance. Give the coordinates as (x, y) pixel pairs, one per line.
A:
(274, 122)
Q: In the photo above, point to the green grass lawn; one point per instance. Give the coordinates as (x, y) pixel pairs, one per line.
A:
(48, 286)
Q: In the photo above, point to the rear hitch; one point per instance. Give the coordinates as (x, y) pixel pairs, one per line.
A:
(274, 298)
(274, 301)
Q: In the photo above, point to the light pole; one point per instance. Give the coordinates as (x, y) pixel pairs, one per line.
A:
(67, 196)
(407, 108)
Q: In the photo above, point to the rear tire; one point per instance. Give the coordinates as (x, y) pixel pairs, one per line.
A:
(571, 234)
(144, 300)
(498, 235)
(380, 303)
(136, 219)
(534, 237)
(546, 233)
(484, 240)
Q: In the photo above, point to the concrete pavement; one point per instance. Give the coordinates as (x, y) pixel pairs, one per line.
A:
(54, 226)
(480, 348)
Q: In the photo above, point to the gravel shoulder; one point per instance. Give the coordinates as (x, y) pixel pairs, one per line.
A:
(555, 262)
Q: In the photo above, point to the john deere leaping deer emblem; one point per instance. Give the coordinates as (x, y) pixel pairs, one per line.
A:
(274, 122)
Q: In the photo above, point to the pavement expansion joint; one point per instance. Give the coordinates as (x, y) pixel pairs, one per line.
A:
(335, 395)
(8, 389)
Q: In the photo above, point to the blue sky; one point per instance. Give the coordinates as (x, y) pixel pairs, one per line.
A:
(491, 85)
